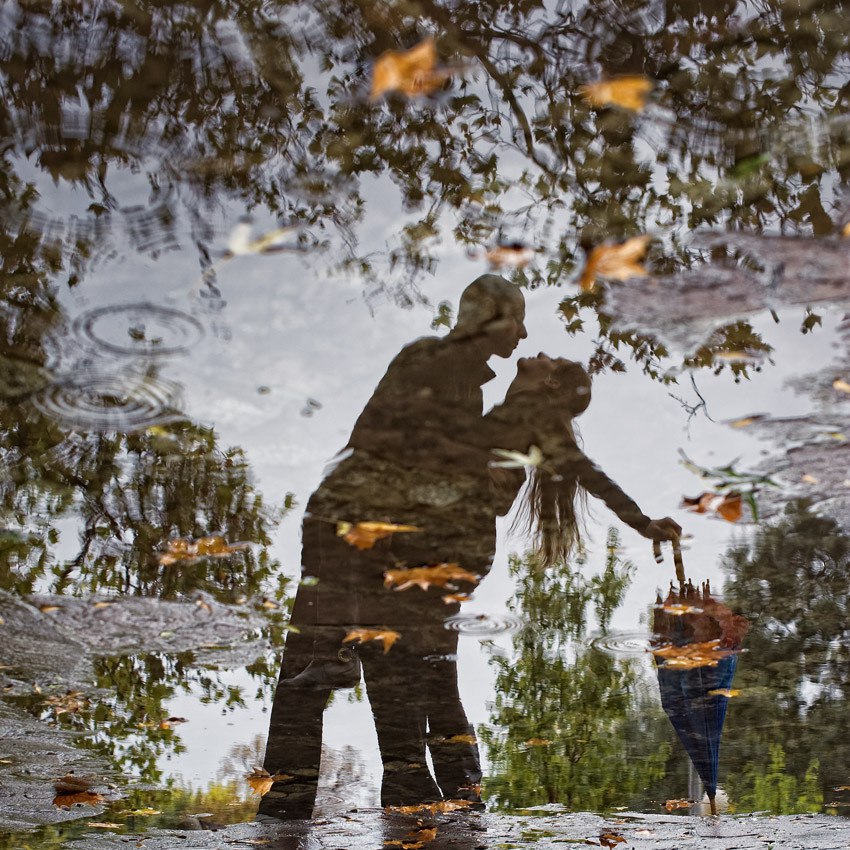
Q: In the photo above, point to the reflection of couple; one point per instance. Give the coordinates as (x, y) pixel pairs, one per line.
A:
(421, 455)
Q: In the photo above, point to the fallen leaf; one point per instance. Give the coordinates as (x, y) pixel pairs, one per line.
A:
(517, 460)
(619, 262)
(424, 835)
(440, 575)
(842, 788)
(240, 243)
(411, 72)
(678, 609)
(514, 254)
(692, 655)
(672, 805)
(611, 839)
(142, 813)
(188, 551)
(628, 92)
(451, 598)
(103, 825)
(537, 742)
(70, 783)
(364, 535)
(46, 609)
(461, 739)
(730, 507)
(725, 692)
(80, 798)
(204, 606)
(97, 606)
(6, 761)
(269, 604)
(261, 780)
(387, 636)
(434, 808)
(746, 421)
(841, 384)
(67, 703)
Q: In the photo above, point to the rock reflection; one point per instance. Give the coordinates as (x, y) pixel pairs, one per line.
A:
(422, 459)
(696, 644)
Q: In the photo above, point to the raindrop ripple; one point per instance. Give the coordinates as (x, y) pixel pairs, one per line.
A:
(483, 625)
(622, 643)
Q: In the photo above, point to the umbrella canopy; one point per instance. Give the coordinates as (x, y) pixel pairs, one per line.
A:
(696, 645)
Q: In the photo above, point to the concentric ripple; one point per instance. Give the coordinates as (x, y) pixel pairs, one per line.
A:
(622, 643)
(482, 625)
(116, 402)
(141, 329)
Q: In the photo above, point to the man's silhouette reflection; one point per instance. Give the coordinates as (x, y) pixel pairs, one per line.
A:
(420, 454)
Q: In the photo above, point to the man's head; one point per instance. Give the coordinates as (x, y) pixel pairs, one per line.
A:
(492, 310)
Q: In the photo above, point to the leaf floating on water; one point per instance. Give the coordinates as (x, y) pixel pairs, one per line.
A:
(728, 506)
(841, 385)
(434, 808)
(845, 231)
(440, 575)
(188, 551)
(746, 421)
(142, 813)
(411, 72)
(451, 598)
(692, 655)
(387, 636)
(611, 839)
(842, 788)
(538, 742)
(364, 535)
(70, 783)
(517, 460)
(627, 92)
(672, 805)
(98, 605)
(240, 243)
(68, 703)
(725, 692)
(808, 479)
(103, 825)
(678, 609)
(514, 255)
(261, 781)
(619, 262)
(461, 739)
(47, 608)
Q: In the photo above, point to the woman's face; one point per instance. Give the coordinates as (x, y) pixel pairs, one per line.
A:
(532, 373)
(542, 374)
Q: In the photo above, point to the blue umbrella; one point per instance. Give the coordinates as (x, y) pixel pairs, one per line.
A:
(697, 714)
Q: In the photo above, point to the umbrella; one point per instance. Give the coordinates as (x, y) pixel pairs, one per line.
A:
(696, 650)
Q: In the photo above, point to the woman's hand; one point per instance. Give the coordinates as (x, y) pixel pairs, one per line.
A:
(663, 529)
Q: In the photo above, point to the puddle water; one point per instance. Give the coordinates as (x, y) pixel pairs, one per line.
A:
(363, 369)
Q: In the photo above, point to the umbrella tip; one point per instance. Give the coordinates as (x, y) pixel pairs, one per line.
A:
(712, 801)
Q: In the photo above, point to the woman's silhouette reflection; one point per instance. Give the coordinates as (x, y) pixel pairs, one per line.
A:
(421, 454)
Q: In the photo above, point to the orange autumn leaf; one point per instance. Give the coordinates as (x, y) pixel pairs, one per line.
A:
(189, 551)
(434, 808)
(699, 504)
(261, 781)
(514, 254)
(845, 231)
(672, 805)
(461, 739)
(411, 72)
(440, 575)
(678, 609)
(692, 655)
(628, 92)
(451, 598)
(538, 742)
(730, 508)
(725, 692)
(80, 798)
(611, 839)
(387, 636)
(619, 262)
(364, 535)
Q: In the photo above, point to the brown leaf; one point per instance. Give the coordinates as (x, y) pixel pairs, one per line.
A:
(434, 808)
(70, 783)
(611, 839)
(387, 636)
(461, 739)
(67, 703)
(439, 575)
(261, 781)
(628, 92)
(84, 798)
(730, 508)
(671, 805)
(364, 535)
(451, 598)
(538, 742)
(515, 255)
(619, 262)
(842, 788)
(188, 551)
(411, 72)
(692, 655)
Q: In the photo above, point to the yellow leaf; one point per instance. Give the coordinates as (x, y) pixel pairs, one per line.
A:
(451, 598)
(460, 739)
(678, 609)
(189, 551)
(387, 636)
(671, 805)
(103, 825)
(98, 605)
(628, 92)
(364, 535)
(46, 609)
(725, 692)
(841, 385)
(411, 72)
(746, 421)
(440, 575)
(619, 262)
(261, 780)
(538, 742)
(809, 479)
(845, 231)
(143, 813)
(269, 604)
(692, 655)
(434, 808)
(204, 606)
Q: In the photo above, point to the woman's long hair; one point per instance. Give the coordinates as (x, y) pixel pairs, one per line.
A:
(553, 504)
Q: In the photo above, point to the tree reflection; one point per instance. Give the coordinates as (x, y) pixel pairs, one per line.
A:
(568, 723)
(790, 735)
